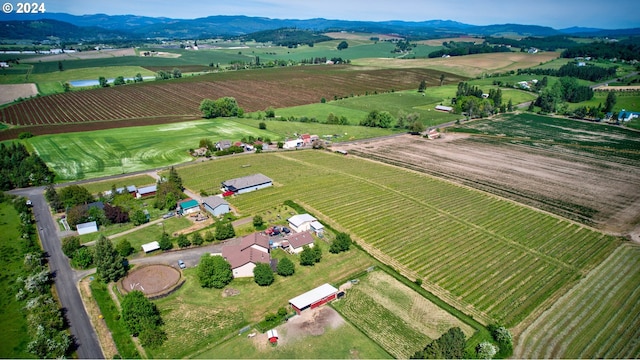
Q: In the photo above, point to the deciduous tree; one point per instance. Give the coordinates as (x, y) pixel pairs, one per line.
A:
(285, 267)
(214, 272)
(263, 275)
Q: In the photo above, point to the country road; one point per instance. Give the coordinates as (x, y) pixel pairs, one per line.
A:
(65, 281)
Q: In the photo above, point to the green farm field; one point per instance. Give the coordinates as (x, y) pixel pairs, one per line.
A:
(395, 316)
(598, 318)
(490, 258)
(91, 154)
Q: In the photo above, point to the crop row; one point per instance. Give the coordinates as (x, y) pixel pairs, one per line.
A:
(470, 244)
(381, 325)
(598, 318)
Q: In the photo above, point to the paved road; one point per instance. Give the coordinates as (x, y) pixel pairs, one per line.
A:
(65, 281)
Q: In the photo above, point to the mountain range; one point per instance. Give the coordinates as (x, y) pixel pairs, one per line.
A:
(126, 27)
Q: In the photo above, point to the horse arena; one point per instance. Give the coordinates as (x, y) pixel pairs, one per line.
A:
(153, 280)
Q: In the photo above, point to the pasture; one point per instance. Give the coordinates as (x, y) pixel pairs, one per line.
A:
(491, 258)
(598, 318)
(395, 316)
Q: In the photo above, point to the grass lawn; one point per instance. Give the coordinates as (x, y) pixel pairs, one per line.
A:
(206, 317)
(13, 324)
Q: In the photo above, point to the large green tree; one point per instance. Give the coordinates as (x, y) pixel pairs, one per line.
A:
(222, 107)
(343, 45)
(451, 345)
(73, 195)
(139, 313)
(610, 102)
(263, 275)
(341, 243)
(214, 272)
(285, 267)
(109, 263)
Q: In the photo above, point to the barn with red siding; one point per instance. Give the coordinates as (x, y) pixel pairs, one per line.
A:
(314, 298)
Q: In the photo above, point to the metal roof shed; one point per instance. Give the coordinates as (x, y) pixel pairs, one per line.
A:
(87, 228)
(314, 298)
(152, 246)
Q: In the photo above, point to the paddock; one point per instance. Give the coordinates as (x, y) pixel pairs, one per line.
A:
(153, 280)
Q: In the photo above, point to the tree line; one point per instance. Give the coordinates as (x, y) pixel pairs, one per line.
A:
(20, 169)
(289, 37)
(588, 72)
(453, 48)
(547, 43)
(623, 50)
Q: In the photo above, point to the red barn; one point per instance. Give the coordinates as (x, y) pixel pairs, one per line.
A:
(314, 298)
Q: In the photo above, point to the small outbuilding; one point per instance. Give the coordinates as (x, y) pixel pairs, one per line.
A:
(314, 298)
(87, 228)
(272, 335)
(149, 247)
(301, 222)
(189, 206)
(215, 205)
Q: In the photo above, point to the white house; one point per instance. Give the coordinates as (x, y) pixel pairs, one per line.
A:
(301, 222)
(253, 249)
(292, 144)
(215, 205)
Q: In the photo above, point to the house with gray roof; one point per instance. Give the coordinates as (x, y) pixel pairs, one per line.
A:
(247, 183)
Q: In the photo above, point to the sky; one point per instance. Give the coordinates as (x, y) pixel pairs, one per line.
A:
(611, 14)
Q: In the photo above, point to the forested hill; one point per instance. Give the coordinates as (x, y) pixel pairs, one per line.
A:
(123, 27)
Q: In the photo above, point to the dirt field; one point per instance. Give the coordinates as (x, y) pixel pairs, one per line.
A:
(555, 181)
(470, 65)
(310, 323)
(8, 93)
(152, 279)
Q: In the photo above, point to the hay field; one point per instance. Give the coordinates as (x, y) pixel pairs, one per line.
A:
(469, 66)
(9, 93)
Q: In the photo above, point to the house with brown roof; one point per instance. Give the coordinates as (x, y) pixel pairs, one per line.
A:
(298, 240)
(253, 249)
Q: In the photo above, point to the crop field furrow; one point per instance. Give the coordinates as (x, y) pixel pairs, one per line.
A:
(605, 287)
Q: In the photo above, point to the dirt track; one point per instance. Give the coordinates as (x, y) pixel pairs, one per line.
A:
(590, 190)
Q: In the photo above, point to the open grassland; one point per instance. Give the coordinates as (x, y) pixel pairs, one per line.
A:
(208, 317)
(254, 90)
(395, 316)
(91, 154)
(491, 258)
(13, 324)
(554, 164)
(469, 66)
(598, 318)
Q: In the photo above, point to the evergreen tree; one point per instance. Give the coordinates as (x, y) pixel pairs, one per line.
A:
(197, 239)
(610, 102)
(165, 242)
(423, 86)
(109, 263)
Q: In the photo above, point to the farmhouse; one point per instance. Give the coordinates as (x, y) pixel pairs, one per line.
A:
(223, 144)
(87, 228)
(293, 144)
(188, 206)
(314, 298)
(299, 240)
(146, 191)
(246, 184)
(301, 222)
(253, 249)
(215, 205)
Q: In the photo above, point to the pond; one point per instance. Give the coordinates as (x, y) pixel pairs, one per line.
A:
(83, 83)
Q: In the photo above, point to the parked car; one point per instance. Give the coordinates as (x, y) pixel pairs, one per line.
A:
(168, 215)
(286, 230)
(181, 264)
